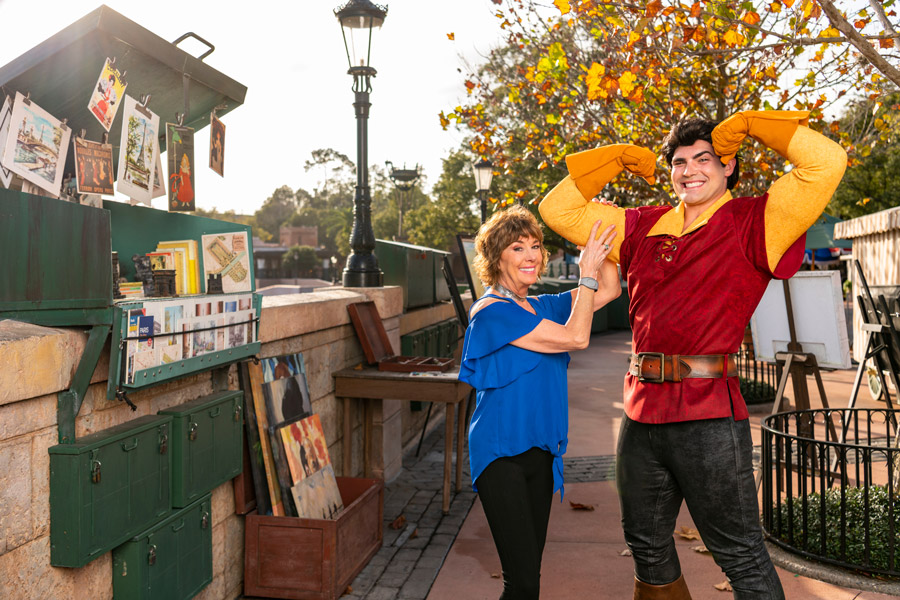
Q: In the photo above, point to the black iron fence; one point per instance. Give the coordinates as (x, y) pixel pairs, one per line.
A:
(834, 501)
(759, 380)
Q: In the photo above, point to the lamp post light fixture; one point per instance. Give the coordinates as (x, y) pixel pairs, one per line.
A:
(404, 180)
(484, 172)
(359, 19)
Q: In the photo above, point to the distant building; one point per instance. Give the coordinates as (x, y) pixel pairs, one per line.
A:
(298, 236)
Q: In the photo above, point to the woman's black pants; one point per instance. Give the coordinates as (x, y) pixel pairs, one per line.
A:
(515, 492)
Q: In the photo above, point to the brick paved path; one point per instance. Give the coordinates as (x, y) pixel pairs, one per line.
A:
(411, 556)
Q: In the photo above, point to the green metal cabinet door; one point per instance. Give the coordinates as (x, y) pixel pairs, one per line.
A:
(170, 561)
(206, 444)
(107, 487)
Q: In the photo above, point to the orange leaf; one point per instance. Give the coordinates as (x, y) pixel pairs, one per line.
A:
(695, 10)
(653, 7)
(626, 82)
(788, 3)
(751, 18)
(688, 32)
(451, 36)
(886, 43)
(775, 7)
(398, 522)
(723, 587)
(470, 85)
(579, 506)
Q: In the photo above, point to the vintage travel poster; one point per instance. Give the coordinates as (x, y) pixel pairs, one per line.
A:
(93, 167)
(107, 95)
(137, 151)
(5, 119)
(227, 254)
(180, 158)
(36, 146)
(216, 145)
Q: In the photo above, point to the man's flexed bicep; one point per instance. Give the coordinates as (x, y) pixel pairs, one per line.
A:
(568, 209)
(797, 198)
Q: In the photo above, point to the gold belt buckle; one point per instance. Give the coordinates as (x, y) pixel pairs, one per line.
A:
(662, 367)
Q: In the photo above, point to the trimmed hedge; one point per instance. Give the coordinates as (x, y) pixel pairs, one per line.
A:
(878, 520)
(757, 392)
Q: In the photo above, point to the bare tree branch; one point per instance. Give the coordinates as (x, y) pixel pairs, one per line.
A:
(879, 10)
(838, 21)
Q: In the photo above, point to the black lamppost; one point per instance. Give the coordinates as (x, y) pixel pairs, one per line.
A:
(484, 172)
(404, 180)
(359, 18)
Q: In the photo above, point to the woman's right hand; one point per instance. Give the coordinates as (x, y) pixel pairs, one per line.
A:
(596, 250)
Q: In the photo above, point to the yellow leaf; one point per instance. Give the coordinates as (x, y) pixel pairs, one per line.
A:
(451, 36)
(444, 120)
(770, 72)
(830, 32)
(562, 5)
(633, 37)
(775, 7)
(687, 533)
(593, 79)
(731, 37)
(626, 82)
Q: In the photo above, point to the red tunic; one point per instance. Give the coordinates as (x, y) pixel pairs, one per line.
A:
(695, 294)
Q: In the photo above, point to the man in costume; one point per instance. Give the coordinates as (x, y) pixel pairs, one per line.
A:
(695, 274)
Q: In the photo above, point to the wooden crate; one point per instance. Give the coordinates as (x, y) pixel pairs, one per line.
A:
(314, 559)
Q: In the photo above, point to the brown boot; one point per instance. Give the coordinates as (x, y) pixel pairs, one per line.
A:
(677, 590)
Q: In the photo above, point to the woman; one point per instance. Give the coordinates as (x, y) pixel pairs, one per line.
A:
(516, 355)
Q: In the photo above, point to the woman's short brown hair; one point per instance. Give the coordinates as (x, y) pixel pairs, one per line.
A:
(501, 230)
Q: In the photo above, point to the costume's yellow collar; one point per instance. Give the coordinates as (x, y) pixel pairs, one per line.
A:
(672, 222)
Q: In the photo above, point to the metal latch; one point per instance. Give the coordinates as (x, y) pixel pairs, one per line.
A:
(151, 556)
(163, 443)
(95, 471)
(192, 431)
(237, 412)
(204, 520)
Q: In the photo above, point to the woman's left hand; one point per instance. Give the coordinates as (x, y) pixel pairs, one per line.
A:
(596, 250)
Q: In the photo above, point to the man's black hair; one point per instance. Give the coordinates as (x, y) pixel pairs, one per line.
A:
(686, 133)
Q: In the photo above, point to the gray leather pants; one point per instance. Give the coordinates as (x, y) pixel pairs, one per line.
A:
(708, 464)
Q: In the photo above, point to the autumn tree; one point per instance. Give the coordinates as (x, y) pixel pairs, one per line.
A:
(872, 183)
(591, 73)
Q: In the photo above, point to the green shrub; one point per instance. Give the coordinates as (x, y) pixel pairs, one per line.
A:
(756, 392)
(878, 521)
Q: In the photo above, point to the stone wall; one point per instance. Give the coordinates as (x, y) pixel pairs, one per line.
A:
(38, 362)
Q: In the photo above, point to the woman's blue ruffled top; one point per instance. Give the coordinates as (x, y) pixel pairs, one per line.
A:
(522, 396)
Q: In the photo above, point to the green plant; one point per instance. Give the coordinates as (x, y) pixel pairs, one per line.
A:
(877, 520)
(756, 392)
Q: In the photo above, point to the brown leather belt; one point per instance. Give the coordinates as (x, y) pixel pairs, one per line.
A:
(656, 367)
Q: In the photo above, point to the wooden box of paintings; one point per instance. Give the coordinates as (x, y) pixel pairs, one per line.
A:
(314, 559)
(206, 444)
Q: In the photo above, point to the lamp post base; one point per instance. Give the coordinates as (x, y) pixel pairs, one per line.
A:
(363, 278)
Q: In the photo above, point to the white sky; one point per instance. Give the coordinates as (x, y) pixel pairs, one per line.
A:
(290, 55)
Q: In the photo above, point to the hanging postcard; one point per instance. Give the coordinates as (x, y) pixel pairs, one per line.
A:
(5, 120)
(216, 145)
(93, 167)
(180, 157)
(137, 151)
(227, 254)
(108, 92)
(36, 146)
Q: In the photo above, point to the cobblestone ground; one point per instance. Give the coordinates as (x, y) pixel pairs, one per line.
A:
(411, 555)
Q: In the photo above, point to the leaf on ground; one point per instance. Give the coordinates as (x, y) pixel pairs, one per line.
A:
(723, 587)
(686, 533)
(398, 522)
(580, 506)
(495, 575)
(414, 534)
(349, 589)
(700, 549)
(625, 552)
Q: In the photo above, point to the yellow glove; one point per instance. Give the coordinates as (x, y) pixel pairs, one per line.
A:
(591, 170)
(772, 128)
